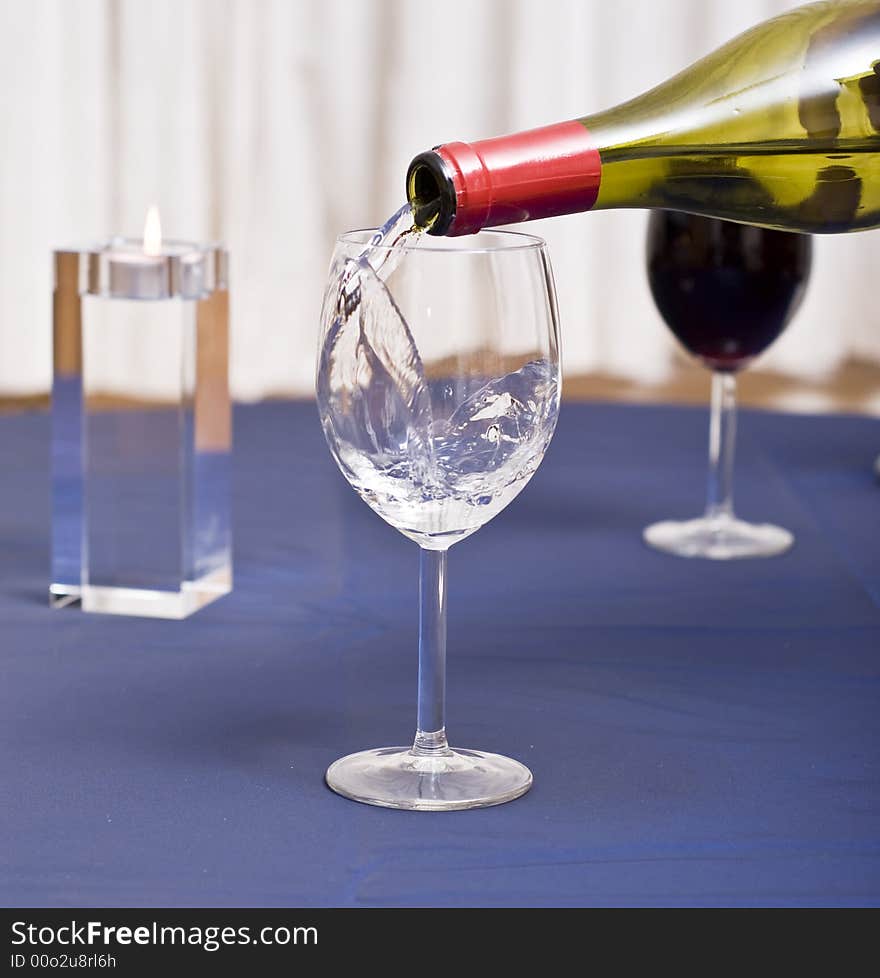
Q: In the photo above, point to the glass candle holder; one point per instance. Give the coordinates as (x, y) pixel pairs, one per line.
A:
(141, 429)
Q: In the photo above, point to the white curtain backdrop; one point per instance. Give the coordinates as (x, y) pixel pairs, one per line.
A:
(275, 124)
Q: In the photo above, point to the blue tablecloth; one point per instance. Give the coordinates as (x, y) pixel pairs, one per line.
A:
(700, 734)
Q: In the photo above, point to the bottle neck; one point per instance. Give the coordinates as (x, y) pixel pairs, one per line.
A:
(459, 188)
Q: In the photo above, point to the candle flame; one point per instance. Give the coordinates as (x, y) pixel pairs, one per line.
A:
(152, 232)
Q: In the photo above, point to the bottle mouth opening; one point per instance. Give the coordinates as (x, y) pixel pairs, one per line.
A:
(431, 193)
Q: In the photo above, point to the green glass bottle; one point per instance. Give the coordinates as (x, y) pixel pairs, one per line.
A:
(778, 128)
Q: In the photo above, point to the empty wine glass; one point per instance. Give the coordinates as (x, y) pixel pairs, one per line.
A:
(726, 291)
(438, 391)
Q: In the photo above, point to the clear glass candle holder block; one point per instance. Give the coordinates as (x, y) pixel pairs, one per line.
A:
(141, 429)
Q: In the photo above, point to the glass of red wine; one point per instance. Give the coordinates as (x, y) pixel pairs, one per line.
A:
(726, 291)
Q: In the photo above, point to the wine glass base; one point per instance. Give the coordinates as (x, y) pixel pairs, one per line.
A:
(726, 538)
(395, 777)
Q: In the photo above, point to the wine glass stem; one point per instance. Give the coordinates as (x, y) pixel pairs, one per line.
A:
(722, 439)
(431, 729)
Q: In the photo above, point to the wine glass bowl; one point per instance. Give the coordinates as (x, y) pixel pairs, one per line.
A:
(727, 291)
(438, 392)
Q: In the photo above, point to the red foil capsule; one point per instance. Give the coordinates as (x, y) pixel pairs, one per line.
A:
(523, 177)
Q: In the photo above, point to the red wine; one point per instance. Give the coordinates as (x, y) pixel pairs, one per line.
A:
(725, 290)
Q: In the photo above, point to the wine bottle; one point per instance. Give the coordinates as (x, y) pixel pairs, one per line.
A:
(778, 128)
